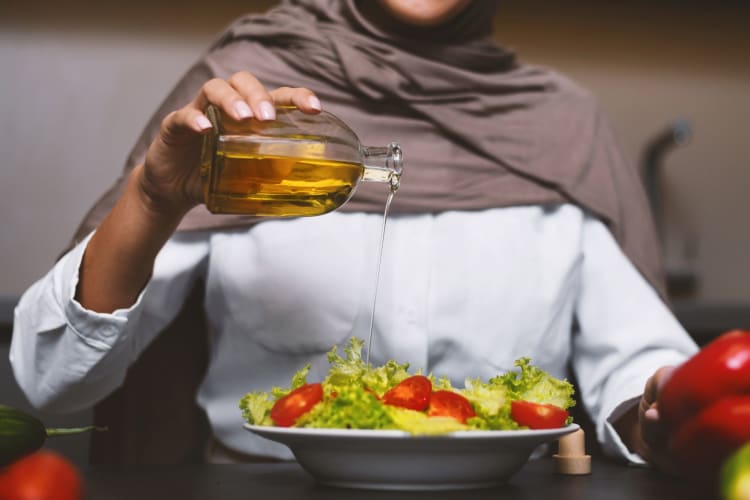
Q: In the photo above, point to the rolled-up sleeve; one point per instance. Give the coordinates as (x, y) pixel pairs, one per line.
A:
(66, 357)
(625, 333)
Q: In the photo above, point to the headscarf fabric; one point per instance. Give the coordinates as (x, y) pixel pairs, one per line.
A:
(479, 129)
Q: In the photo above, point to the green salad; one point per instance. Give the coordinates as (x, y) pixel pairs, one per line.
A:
(354, 395)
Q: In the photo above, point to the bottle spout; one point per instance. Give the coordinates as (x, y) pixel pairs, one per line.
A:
(383, 164)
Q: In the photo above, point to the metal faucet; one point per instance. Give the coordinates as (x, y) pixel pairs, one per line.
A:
(681, 280)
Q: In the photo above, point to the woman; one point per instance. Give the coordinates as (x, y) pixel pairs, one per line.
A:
(518, 230)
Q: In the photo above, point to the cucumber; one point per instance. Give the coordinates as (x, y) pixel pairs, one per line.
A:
(21, 433)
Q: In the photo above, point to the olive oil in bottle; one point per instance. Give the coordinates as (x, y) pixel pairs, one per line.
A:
(248, 182)
(297, 165)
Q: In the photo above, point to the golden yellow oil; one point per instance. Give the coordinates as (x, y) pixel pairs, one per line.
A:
(248, 182)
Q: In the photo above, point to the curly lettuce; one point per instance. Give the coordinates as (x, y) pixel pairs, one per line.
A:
(351, 370)
(535, 385)
(352, 391)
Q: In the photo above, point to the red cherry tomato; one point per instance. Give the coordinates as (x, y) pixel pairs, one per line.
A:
(412, 393)
(537, 415)
(288, 409)
(450, 404)
(41, 475)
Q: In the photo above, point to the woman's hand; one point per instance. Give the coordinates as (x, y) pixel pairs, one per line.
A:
(654, 432)
(643, 431)
(170, 178)
(120, 256)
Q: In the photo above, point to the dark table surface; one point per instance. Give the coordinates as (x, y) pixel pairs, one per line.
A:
(537, 480)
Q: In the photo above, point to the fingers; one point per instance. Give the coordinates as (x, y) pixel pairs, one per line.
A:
(300, 97)
(648, 409)
(233, 101)
(653, 431)
(182, 124)
(243, 96)
(252, 92)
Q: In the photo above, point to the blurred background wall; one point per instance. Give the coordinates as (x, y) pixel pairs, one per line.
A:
(80, 78)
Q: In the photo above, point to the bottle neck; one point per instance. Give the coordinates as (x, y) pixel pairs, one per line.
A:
(383, 164)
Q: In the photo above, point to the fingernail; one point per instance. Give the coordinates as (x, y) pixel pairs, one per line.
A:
(267, 111)
(651, 414)
(203, 123)
(314, 102)
(242, 109)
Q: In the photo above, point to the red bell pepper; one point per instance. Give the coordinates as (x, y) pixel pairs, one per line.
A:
(702, 443)
(721, 368)
(706, 404)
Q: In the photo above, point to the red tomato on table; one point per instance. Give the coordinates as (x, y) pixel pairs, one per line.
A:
(41, 475)
(288, 409)
(538, 415)
(450, 404)
(412, 393)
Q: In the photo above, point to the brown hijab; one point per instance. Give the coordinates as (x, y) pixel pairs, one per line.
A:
(478, 128)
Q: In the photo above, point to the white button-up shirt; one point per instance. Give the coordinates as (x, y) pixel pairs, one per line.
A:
(461, 294)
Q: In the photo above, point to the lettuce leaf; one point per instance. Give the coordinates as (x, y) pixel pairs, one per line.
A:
(351, 392)
(535, 385)
(491, 404)
(350, 408)
(256, 407)
(352, 371)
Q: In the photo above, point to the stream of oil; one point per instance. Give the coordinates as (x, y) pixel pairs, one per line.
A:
(394, 187)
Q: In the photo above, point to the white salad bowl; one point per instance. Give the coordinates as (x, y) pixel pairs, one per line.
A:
(398, 460)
